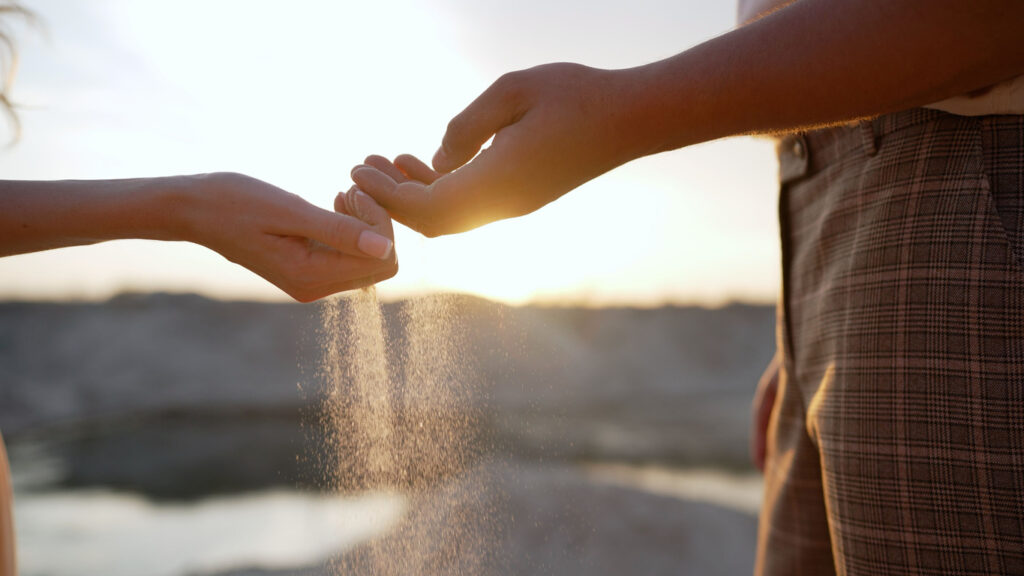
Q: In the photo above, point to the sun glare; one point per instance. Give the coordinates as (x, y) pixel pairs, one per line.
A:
(298, 93)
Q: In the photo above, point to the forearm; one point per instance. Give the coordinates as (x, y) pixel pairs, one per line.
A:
(810, 63)
(43, 215)
(819, 62)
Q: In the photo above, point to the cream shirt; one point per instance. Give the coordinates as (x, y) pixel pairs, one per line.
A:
(1003, 98)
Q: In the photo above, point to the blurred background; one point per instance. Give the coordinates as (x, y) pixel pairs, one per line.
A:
(161, 405)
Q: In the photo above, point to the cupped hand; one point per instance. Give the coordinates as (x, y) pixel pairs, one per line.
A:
(554, 127)
(306, 251)
(761, 412)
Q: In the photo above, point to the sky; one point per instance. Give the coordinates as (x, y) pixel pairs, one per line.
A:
(296, 93)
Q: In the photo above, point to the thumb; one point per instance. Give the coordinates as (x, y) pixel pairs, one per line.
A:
(495, 108)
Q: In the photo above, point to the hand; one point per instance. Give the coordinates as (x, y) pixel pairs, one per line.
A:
(764, 402)
(554, 126)
(304, 250)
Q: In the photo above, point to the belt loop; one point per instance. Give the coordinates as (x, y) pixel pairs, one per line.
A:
(867, 132)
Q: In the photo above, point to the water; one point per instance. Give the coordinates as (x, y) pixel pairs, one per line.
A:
(402, 448)
(71, 533)
(740, 492)
(101, 531)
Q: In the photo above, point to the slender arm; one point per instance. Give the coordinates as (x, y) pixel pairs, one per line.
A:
(810, 63)
(306, 251)
(817, 62)
(44, 215)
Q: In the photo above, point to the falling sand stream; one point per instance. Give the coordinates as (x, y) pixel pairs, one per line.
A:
(401, 414)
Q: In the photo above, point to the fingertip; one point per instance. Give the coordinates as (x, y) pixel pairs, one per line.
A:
(367, 205)
(375, 245)
(364, 170)
(404, 160)
(363, 176)
(386, 166)
(440, 161)
(357, 168)
(416, 169)
(342, 199)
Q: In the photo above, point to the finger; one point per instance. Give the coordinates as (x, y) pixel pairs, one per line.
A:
(758, 444)
(416, 169)
(341, 201)
(363, 282)
(407, 202)
(480, 192)
(384, 165)
(330, 272)
(306, 271)
(757, 440)
(487, 189)
(494, 109)
(357, 203)
(762, 420)
(339, 272)
(345, 233)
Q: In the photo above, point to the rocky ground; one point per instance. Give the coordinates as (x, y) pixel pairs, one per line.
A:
(667, 384)
(180, 397)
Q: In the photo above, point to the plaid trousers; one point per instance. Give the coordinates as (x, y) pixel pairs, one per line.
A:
(896, 444)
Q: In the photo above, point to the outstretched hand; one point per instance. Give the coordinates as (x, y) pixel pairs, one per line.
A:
(304, 250)
(554, 127)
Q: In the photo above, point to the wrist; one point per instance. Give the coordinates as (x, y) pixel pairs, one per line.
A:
(162, 208)
(652, 119)
(670, 110)
(179, 206)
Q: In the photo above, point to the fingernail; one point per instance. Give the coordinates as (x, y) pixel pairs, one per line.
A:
(353, 171)
(351, 204)
(373, 244)
(440, 158)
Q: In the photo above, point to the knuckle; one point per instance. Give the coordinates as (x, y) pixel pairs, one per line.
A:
(310, 297)
(297, 293)
(343, 233)
(456, 129)
(305, 293)
(389, 272)
(435, 228)
(430, 225)
(224, 178)
(508, 81)
(508, 88)
(404, 160)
